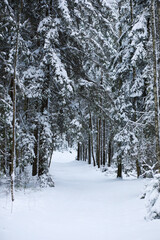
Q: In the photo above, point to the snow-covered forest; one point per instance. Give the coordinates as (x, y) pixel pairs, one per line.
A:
(82, 75)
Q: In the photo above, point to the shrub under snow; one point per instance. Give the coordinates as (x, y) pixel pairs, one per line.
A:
(152, 197)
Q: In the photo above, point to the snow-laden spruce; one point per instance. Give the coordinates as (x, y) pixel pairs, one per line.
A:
(152, 198)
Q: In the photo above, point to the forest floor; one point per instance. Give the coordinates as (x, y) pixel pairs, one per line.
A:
(85, 204)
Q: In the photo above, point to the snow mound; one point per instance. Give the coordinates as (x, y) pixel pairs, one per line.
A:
(152, 197)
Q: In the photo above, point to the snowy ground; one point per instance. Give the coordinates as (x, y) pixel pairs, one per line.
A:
(85, 204)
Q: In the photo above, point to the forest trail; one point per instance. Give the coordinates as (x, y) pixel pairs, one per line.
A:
(85, 204)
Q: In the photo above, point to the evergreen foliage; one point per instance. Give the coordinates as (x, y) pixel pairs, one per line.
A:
(83, 72)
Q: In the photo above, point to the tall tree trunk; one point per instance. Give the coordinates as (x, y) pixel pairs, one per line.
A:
(99, 133)
(92, 147)
(158, 39)
(119, 158)
(104, 142)
(119, 163)
(109, 152)
(119, 171)
(89, 148)
(13, 159)
(131, 10)
(155, 79)
(138, 168)
(101, 142)
(78, 151)
(83, 152)
(98, 145)
(34, 165)
(134, 99)
(50, 158)
(5, 147)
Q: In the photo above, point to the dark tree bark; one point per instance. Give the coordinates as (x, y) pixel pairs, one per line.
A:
(109, 152)
(79, 152)
(34, 165)
(13, 159)
(100, 147)
(92, 146)
(155, 81)
(104, 142)
(138, 168)
(119, 171)
(89, 149)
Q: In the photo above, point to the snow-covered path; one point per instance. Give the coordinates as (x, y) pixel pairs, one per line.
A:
(84, 205)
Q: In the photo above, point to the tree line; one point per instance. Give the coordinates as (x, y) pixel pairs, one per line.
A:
(85, 72)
